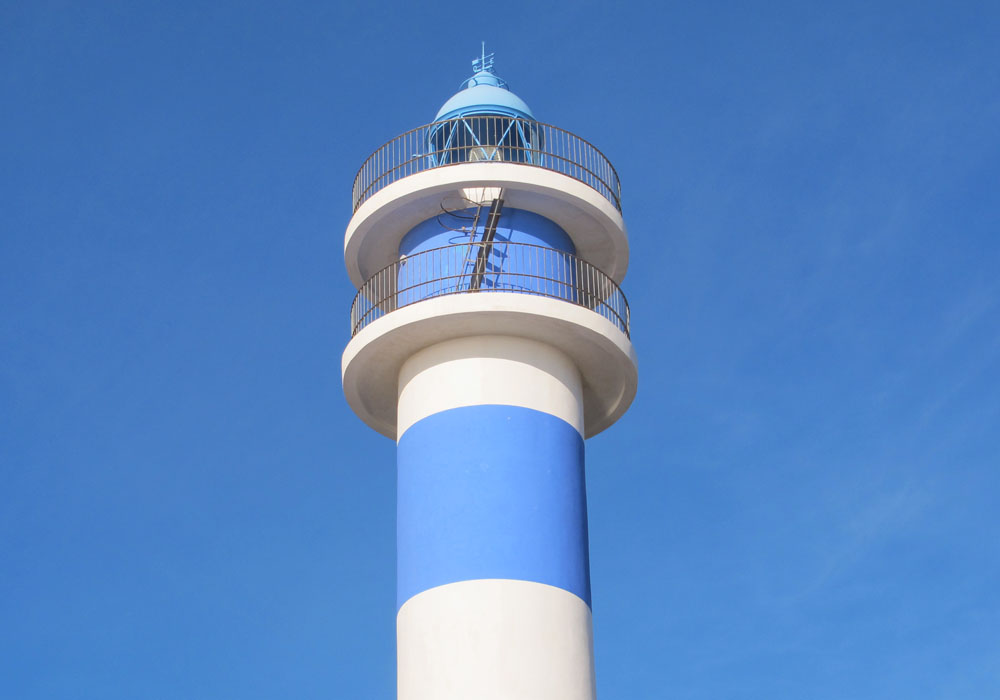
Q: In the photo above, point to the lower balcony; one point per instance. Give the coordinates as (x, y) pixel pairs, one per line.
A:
(489, 268)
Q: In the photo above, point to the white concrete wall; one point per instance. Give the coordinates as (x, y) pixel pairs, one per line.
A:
(489, 369)
(495, 640)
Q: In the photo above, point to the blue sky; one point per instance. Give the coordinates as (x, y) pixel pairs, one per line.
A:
(801, 502)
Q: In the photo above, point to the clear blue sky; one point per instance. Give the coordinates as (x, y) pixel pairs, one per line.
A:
(801, 503)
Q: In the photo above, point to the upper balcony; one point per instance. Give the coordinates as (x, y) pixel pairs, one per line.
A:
(487, 138)
(539, 167)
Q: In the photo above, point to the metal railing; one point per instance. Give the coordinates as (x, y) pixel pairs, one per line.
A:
(482, 268)
(487, 138)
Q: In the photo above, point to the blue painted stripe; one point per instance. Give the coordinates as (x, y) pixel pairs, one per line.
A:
(491, 492)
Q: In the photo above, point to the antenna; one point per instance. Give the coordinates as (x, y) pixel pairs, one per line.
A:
(484, 62)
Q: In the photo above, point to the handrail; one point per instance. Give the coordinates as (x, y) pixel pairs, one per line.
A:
(486, 138)
(519, 268)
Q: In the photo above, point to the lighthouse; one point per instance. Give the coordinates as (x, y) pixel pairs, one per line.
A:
(489, 339)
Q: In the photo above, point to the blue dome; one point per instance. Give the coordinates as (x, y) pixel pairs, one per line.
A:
(484, 93)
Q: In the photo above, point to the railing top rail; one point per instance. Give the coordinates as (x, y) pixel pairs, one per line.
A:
(379, 169)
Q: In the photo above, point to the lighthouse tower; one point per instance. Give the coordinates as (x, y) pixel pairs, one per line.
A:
(489, 338)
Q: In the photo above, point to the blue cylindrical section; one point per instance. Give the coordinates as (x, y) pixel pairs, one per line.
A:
(491, 492)
(452, 253)
(514, 226)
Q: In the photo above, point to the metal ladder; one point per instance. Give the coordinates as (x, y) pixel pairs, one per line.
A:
(478, 252)
(485, 247)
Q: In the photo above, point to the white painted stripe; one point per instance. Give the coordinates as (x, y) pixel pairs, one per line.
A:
(489, 369)
(495, 639)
